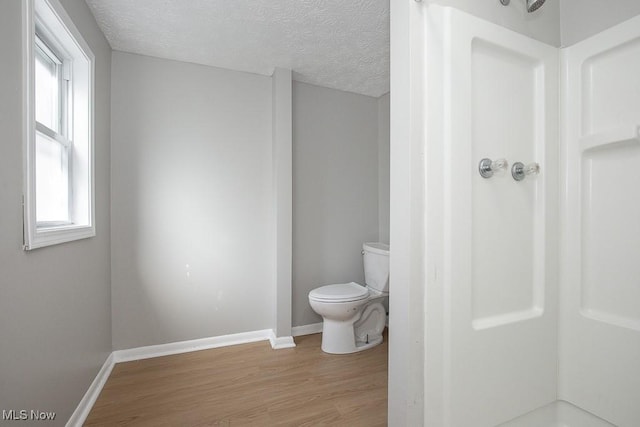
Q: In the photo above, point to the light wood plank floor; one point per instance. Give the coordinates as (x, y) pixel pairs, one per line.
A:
(248, 384)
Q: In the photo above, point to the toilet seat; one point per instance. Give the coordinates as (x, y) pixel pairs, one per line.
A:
(342, 292)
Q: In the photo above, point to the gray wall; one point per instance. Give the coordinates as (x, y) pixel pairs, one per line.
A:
(581, 19)
(192, 242)
(335, 189)
(384, 111)
(55, 318)
(543, 25)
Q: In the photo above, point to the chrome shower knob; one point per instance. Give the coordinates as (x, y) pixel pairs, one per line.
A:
(488, 167)
(519, 171)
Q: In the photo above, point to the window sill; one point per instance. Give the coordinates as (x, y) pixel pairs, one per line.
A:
(56, 235)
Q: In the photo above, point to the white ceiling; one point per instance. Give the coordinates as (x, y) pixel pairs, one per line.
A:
(341, 44)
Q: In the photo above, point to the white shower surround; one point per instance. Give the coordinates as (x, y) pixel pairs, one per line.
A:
(491, 347)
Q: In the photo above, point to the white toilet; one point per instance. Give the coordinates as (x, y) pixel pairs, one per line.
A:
(353, 315)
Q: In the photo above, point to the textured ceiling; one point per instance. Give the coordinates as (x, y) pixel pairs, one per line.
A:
(342, 44)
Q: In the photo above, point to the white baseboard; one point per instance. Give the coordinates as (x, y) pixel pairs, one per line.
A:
(278, 343)
(81, 413)
(314, 328)
(150, 351)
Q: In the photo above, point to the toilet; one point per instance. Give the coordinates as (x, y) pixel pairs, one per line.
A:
(353, 315)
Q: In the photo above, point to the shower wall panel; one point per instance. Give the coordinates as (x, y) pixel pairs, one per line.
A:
(600, 282)
(499, 275)
(507, 108)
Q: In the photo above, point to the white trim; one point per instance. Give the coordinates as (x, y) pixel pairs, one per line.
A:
(81, 413)
(51, 14)
(314, 328)
(278, 343)
(28, 113)
(57, 235)
(148, 352)
(408, 263)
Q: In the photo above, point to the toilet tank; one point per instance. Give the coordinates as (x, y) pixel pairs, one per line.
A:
(376, 265)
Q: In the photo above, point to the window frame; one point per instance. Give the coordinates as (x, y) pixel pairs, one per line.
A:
(48, 21)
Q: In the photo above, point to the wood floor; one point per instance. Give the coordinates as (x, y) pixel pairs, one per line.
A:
(248, 384)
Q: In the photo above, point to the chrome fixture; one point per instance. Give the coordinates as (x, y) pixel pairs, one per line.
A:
(487, 167)
(519, 171)
(532, 5)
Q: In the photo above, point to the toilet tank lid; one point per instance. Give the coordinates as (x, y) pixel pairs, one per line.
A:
(376, 248)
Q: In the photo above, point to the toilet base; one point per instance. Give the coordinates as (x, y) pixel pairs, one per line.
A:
(347, 344)
(361, 333)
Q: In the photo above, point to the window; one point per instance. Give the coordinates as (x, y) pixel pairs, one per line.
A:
(58, 196)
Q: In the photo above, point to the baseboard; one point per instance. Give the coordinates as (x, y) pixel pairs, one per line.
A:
(191, 345)
(278, 343)
(81, 413)
(314, 328)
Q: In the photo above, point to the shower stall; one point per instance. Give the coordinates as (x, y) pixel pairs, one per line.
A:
(528, 269)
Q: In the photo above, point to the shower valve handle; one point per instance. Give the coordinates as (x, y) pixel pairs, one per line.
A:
(488, 167)
(519, 171)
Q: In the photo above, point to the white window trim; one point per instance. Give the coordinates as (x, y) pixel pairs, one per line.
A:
(35, 237)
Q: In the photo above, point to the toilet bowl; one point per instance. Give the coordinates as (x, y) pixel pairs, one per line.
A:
(353, 315)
